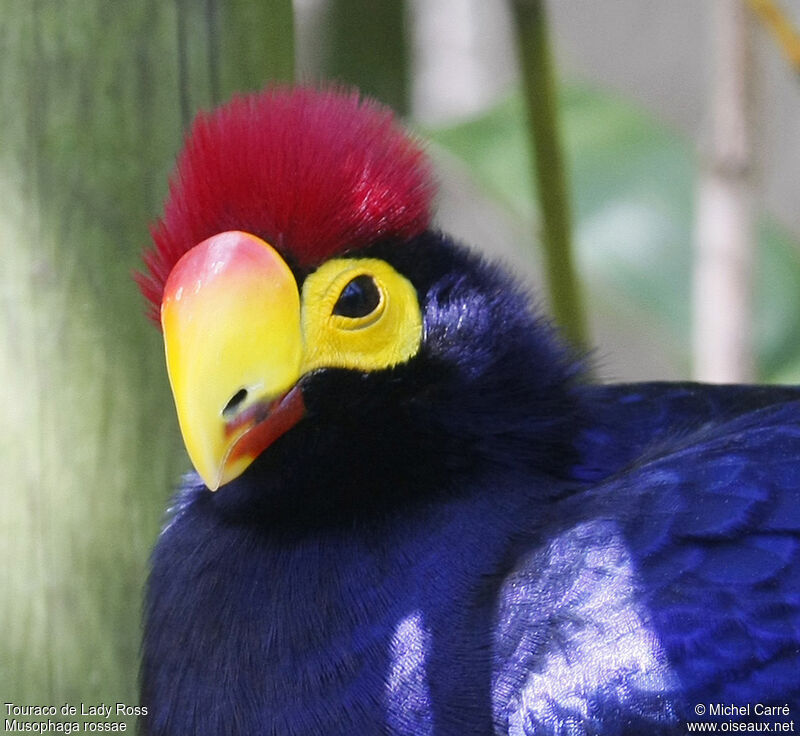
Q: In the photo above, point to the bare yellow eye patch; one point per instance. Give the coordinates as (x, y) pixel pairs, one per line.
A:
(380, 326)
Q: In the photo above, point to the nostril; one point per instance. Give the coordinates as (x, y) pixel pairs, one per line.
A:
(236, 400)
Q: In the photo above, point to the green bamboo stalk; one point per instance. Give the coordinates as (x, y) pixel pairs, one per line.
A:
(89, 445)
(366, 46)
(530, 22)
(256, 44)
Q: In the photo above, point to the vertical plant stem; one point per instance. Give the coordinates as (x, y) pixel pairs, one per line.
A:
(365, 45)
(90, 447)
(781, 27)
(530, 21)
(255, 45)
(725, 230)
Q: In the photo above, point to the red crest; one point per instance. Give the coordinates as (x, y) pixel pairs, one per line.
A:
(313, 172)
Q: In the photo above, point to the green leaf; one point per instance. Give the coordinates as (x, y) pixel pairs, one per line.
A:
(633, 185)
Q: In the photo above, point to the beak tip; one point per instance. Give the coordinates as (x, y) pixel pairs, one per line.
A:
(212, 481)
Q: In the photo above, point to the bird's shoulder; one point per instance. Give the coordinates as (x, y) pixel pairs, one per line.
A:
(673, 580)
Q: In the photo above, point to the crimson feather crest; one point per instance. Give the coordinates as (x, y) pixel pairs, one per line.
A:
(313, 172)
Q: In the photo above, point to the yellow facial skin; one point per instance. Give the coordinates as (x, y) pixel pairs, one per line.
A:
(238, 337)
(389, 335)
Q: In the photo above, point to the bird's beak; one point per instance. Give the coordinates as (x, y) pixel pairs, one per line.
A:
(232, 336)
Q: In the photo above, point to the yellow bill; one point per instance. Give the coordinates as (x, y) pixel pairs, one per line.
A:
(232, 336)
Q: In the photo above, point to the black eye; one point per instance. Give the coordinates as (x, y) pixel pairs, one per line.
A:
(359, 298)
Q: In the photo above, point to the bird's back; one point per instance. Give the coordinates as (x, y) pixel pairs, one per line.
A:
(673, 591)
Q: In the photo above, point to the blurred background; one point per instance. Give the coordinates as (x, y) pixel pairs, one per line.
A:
(672, 137)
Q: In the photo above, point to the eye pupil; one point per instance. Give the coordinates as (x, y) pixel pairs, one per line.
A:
(359, 298)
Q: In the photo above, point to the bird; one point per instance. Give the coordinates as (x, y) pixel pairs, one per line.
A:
(414, 510)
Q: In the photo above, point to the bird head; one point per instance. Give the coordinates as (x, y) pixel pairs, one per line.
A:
(316, 326)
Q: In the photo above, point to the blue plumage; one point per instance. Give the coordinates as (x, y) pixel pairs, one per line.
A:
(484, 541)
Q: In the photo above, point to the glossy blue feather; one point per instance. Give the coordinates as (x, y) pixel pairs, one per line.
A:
(484, 541)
